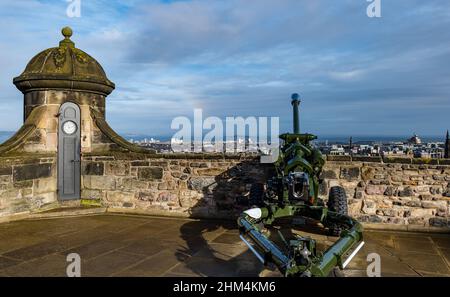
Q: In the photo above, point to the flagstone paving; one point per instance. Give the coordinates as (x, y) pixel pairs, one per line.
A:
(121, 245)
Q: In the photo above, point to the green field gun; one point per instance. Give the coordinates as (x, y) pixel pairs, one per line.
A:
(290, 194)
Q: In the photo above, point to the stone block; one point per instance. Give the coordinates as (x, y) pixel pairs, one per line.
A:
(202, 183)
(339, 158)
(375, 189)
(150, 173)
(168, 185)
(34, 98)
(166, 197)
(5, 170)
(436, 190)
(23, 184)
(96, 182)
(354, 207)
(26, 192)
(52, 125)
(367, 173)
(51, 141)
(444, 161)
(349, 173)
(439, 177)
(199, 164)
(410, 172)
(329, 174)
(132, 183)
(119, 168)
(406, 192)
(32, 171)
(359, 194)
(369, 207)
(146, 196)
(413, 202)
(397, 160)
(438, 222)
(421, 213)
(390, 191)
(162, 164)
(175, 174)
(93, 168)
(44, 185)
(370, 219)
(390, 212)
(10, 194)
(425, 197)
(210, 171)
(416, 221)
(442, 205)
(370, 159)
(120, 196)
(139, 163)
(5, 179)
(425, 161)
(92, 194)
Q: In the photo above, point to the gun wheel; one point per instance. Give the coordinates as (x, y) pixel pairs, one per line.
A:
(336, 272)
(337, 202)
(256, 194)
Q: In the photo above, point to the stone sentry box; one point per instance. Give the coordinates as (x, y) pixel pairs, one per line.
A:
(54, 78)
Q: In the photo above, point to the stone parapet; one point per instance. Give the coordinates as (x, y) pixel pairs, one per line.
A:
(407, 194)
(184, 185)
(27, 184)
(401, 193)
(380, 191)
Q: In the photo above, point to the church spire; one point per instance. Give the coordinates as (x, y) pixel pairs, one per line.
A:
(447, 146)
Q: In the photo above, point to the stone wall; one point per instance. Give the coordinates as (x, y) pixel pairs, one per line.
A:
(390, 191)
(180, 185)
(27, 184)
(394, 191)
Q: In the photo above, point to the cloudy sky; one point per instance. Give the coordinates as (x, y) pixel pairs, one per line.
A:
(357, 75)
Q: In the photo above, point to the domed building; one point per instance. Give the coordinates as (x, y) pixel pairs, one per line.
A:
(415, 139)
(64, 111)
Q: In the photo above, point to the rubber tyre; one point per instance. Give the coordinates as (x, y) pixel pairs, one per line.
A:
(336, 272)
(337, 202)
(256, 194)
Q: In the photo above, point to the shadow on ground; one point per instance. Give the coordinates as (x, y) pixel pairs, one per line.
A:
(216, 246)
(127, 245)
(402, 254)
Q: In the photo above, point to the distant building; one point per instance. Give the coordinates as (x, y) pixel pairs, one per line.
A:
(415, 139)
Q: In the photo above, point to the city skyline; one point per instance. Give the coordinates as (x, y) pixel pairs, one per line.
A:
(356, 75)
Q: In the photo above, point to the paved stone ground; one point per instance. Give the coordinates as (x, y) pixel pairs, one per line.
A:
(119, 245)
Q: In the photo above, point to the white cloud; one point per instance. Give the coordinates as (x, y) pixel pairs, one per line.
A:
(245, 57)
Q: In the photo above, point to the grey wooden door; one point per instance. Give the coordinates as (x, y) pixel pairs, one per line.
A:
(69, 152)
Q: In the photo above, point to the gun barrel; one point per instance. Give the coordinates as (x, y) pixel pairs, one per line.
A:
(295, 103)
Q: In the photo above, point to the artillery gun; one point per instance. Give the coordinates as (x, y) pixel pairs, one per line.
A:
(293, 192)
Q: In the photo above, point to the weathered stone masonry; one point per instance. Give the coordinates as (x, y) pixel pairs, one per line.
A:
(199, 185)
(180, 185)
(393, 191)
(401, 192)
(27, 184)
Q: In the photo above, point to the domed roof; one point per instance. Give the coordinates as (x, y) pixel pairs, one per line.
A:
(64, 67)
(415, 139)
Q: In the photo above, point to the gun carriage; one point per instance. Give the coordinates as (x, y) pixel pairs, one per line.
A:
(292, 192)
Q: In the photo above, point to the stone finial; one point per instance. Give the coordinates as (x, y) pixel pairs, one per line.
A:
(67, 33)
